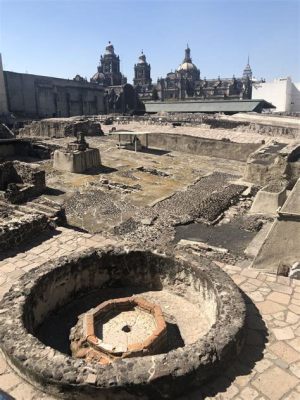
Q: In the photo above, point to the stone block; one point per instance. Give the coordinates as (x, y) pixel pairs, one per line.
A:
(78, 161)
(268, 200)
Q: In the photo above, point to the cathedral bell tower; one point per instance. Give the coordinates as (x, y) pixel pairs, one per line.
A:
(109, 69)
(142, 72)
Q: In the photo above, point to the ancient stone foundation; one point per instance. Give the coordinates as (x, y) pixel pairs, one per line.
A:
(76, 161)
(14, 232)
(20, 181)
(55, 284)
(61, 127)
(273, 162)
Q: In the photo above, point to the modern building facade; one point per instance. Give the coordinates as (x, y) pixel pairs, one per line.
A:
(282, 93)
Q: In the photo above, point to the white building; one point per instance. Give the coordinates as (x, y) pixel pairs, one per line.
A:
(282, 93)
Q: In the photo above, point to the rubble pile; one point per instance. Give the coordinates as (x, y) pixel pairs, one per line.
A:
(153, 171)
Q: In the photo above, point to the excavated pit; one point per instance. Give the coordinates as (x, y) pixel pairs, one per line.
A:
(202, 316)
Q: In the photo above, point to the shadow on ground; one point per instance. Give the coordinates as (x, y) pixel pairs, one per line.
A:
(256, 337)
(103, 169)
(145, 150)
(29, 244)
(155, 152)
(53, 191)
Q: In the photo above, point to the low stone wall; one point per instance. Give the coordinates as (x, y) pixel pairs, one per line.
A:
(61, 127)
(18, 231)
(270, 130)
(200, 146)
(160, 376)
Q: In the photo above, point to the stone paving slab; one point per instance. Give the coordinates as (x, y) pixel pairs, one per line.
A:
(268, 367)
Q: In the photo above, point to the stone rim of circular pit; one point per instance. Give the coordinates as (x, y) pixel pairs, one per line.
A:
(53, 371)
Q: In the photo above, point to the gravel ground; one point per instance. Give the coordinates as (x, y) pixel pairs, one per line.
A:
(207, 198)
(155, 227)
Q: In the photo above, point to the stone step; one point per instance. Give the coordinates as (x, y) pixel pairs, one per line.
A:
(49, 202)
(43, 207)
(31, 209)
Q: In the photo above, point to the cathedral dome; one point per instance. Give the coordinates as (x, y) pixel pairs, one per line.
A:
(187, 66)
(98, 77)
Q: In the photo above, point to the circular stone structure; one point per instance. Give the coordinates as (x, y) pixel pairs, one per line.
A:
(46, 290)
(119, 328)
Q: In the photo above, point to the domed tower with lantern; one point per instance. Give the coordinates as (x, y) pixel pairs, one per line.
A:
(187, 69)
(108, 73)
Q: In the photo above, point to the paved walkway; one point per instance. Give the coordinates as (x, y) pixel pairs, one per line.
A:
(267, 369)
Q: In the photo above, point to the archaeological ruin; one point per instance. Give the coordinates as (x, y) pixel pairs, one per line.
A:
(149, 257)
(151, 363)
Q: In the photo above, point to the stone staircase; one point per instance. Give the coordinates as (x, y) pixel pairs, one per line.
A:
(41, 205)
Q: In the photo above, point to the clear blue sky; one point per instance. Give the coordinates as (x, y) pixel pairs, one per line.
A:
(63, 38)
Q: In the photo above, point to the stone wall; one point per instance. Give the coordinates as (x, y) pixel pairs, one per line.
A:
(61, 127)
(270, 130)
(14, 232)
(157, 377)
(274, 162)
(36, 96)
(7, 174)
(201, 146)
